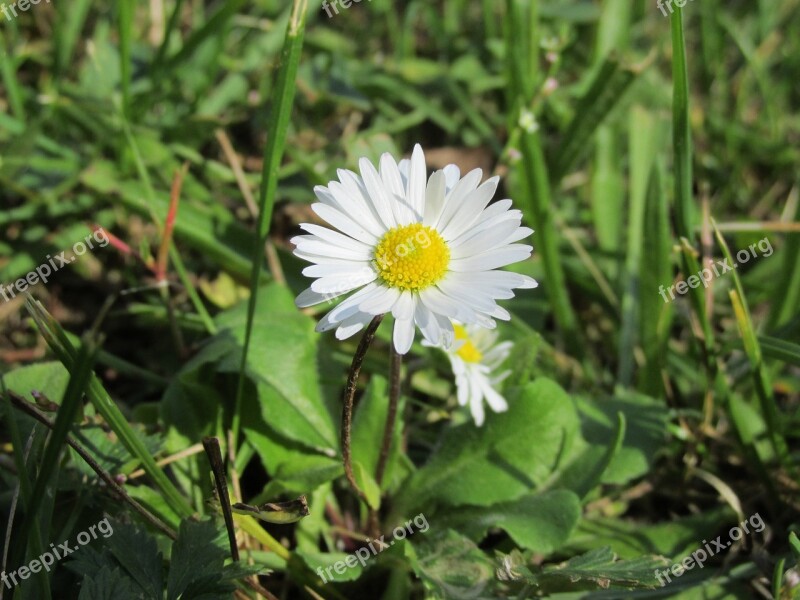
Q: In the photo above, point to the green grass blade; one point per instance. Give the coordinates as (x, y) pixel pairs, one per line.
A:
(172, 25)
(68, 27)
(752, 349)
(605, 92)
(35, 541)
(58, 342)
(681, 130)
(536, 186)
(656, 270)
(780, 349)
(212, 27)
(126, 11)
(70, 407)
(13, 88)
(283, 100)
(643, 148)
(787, 287)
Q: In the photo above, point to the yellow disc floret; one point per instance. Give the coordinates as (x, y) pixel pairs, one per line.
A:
(468, 352)
(411, 257)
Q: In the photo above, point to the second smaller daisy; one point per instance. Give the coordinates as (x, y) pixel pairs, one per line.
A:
(475, 356)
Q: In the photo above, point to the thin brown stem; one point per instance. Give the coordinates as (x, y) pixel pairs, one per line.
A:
(349, 399)
(27, 407)
(395, 363)
(211, 445)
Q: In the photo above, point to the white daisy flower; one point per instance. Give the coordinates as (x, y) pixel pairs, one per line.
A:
(424, 249)
(474, 357)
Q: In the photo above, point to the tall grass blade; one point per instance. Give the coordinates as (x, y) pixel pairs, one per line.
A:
(283, 100)
(58, 342)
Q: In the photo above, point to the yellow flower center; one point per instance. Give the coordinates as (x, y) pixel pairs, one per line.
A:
(411, 257)
(468, 352)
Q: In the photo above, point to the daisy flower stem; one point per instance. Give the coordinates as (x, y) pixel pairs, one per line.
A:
(349, 397)
(391, 415)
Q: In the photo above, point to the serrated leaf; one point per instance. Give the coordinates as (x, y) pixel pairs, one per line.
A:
(599, 568)
(108, 584)
(128, 553)
(451, 566)
(197, 558)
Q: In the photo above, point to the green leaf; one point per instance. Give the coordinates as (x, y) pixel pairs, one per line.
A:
(644, 435)
(109, 584)
(131, 560)
(325, 560)
(368, 484)
(511, 454)
(197, 568)
(282, 361)
(541, 522)
(368, 425)
(49, 378)
(674, 539)
(451, 566)
(599, 568)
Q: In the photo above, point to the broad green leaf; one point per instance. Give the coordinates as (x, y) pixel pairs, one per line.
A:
(109, 584)
(675, 539)
(326, 564)
(368, 425)
(368, 485)
(282, 361)
(49, 378)
(197, 564)
(513, 453)
(451, 566)
(599, 568)
(645, 433)
(540, 522)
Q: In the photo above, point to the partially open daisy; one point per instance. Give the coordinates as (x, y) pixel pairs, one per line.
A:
(475, 357)
(424, 249)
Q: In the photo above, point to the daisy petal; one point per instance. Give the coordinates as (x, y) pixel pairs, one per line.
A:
(376, 191)
(403, 335)
(495, 401)
(381, 302)
(336, 283)
(434, 199)
(404, 307)
(455, 197)
(341, 222)
(393, 182)
(416, 183)
(334, 237)
(472, 206)
(493, 259)
(309, 297)
(451, 175)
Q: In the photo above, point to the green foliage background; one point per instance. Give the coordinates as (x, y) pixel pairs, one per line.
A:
(638, 146)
